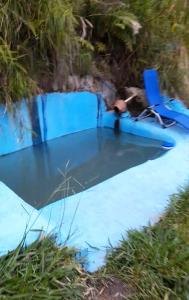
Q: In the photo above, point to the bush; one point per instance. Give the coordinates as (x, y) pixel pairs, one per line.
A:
(42, 42)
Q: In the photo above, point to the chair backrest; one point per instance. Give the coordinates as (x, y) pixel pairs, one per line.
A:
(151, 83)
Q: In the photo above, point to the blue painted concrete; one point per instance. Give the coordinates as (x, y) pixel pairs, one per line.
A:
(18, 218)
(53, 115)
(178, 106)
(56, 119)
(143, 129)
(47, 117)
(15, 129)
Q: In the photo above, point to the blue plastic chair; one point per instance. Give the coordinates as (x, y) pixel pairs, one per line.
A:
(157, 106)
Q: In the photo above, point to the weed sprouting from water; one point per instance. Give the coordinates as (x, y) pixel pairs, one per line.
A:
(64, 190)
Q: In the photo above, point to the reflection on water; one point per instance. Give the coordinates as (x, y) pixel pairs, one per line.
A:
(70, 164)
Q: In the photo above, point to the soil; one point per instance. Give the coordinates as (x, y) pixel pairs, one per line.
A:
(113, 289)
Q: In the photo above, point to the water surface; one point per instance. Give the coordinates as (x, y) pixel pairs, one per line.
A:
(70, 164)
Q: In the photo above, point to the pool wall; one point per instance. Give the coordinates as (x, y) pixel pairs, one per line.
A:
(53, 115)
(46, 117)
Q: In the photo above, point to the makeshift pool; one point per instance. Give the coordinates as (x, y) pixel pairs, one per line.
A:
(73, 163)
(121, 181)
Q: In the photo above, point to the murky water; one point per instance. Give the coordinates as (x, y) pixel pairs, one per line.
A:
(70, 164)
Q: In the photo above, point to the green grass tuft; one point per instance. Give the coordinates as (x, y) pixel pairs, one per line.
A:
(155, 261)
(41, 271)
(42, 42)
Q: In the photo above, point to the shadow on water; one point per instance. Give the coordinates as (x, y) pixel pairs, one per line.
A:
(73, 163)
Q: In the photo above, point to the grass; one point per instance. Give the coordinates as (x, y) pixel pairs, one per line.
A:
(153, 263)
(42, 271)
(42, 42)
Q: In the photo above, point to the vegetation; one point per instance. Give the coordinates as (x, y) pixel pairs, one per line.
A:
(153, 263)
(42, 42)
(42, 271)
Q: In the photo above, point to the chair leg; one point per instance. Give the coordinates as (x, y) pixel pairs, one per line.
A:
(160, 120)
(158, 117)
(169, 125)
(146, 113)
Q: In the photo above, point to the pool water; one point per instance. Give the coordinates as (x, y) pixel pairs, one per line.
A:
(67, 165)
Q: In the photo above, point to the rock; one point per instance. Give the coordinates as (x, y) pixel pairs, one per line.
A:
(108, 91)
(73, 83)
(87, 83)
(94, 85)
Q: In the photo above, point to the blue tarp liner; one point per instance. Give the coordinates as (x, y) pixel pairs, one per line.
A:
(103, 213)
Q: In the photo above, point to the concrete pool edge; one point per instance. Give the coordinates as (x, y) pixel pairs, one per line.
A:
(18, 221)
